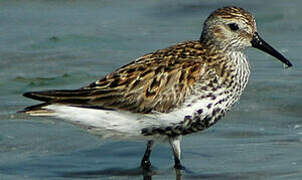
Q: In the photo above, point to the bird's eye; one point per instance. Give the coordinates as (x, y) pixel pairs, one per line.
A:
(233, 26)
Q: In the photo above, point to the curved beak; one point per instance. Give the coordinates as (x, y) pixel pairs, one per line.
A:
(259, 43)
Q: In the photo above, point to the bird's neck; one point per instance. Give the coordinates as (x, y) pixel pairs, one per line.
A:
(234, 59)
(241, 69)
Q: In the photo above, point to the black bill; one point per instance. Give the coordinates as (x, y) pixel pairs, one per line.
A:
(259, 43)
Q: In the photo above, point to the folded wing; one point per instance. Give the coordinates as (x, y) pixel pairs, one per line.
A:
(158, 81)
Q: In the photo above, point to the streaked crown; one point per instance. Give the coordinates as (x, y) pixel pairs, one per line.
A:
(229, 28)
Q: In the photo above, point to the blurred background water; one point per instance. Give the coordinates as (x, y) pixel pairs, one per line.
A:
(64, 44)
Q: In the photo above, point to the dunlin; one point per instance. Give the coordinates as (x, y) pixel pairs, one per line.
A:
(171, 92)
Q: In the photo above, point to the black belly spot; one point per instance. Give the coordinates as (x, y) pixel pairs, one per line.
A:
(188, 117)
(200, 111)
(215, 111)
(209, 105)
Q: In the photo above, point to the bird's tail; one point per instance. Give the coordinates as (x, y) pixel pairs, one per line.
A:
(37, 110)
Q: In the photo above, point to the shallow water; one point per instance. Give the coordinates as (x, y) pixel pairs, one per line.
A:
(68, 44)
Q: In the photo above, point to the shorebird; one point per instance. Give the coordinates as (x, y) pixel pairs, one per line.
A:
(164, 95)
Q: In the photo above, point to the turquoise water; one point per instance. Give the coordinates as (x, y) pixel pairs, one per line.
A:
(68, 44)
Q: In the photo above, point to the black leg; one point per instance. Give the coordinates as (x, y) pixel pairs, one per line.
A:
(175, 144)
(146, 164)
(177, 164)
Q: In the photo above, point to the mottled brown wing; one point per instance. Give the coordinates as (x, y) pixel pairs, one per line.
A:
(158, 81)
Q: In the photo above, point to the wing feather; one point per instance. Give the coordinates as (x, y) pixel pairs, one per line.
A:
(158, 81)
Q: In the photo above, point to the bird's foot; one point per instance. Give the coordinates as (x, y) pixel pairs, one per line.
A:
(179, 168)
(146, 164)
